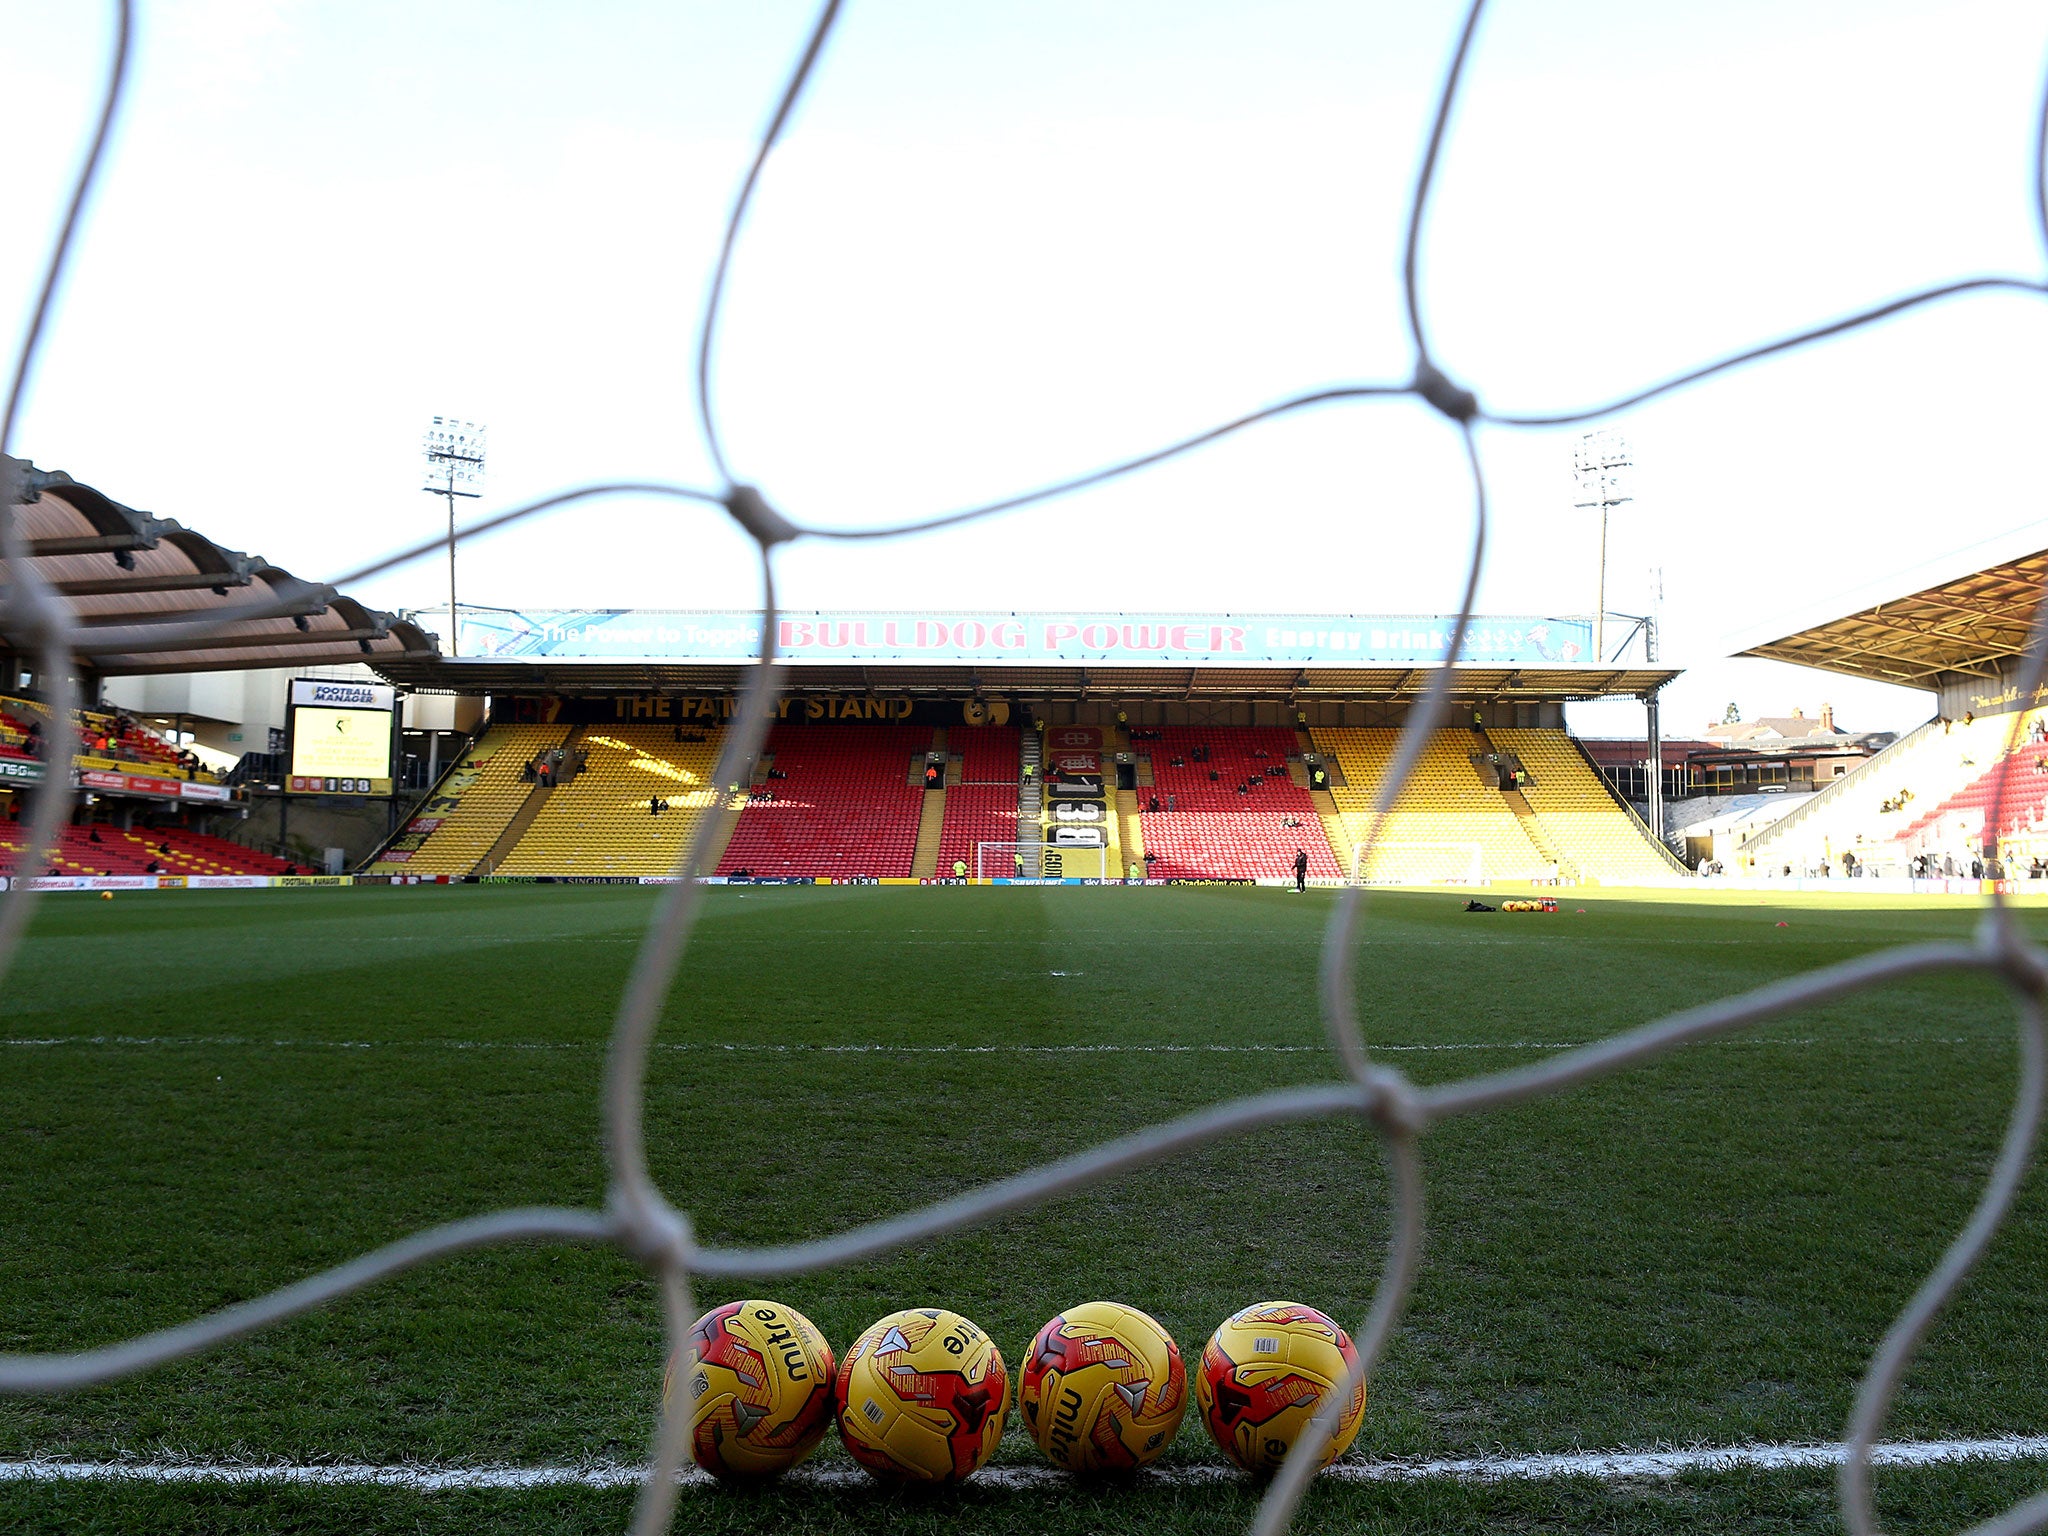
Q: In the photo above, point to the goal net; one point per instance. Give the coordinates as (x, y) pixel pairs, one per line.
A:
(1039, 861)
(41, 623)
(1419, 863)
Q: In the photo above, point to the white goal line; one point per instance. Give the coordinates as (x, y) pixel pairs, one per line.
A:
(1604, 1465)
(882, 1048)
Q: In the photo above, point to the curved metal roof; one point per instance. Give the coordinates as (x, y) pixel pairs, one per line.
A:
(153, 596)
(1971, 625)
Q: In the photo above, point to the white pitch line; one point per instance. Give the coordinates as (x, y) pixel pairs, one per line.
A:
(47, 1042)
(1603, 1465)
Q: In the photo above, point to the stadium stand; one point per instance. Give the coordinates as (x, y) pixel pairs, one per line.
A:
(174, 850)
(1443, 817)
(1912, 798)
(476, 801)
(1231, 804)
(2017, 784)
(1577, 812)
(601, 822)
(19, 734)
(981, 806)
(107, 741)
(841, 804)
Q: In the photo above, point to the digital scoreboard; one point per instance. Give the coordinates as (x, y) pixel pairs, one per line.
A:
(340, 738)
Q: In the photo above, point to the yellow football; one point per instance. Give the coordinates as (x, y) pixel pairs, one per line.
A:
(759, 1381)
(1102, 1388)
(1264, 1373)
(922, 1397)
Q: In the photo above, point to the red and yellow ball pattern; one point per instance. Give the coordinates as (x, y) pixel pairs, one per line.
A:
(757, 1379)
(1264, 1373)
(1102, 1388)
(922, 1397)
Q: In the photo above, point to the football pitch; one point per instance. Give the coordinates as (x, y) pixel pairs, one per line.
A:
(205, 1096)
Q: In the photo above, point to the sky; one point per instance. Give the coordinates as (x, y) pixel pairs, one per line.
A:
(1004, 245)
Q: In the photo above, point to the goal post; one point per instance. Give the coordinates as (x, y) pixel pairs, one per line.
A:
(1409, 862)
(1040, 861)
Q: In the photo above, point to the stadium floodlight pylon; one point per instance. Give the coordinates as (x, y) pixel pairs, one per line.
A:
(1040, 861)
(1392, 862)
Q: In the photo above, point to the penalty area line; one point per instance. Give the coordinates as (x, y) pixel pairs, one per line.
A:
(1604, 1465)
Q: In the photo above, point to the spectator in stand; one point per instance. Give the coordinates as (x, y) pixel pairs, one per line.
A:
(164, 848)
(94, 836)
(152, 868)
(291, 868)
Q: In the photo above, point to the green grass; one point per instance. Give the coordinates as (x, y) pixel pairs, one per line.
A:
(1705, 1249)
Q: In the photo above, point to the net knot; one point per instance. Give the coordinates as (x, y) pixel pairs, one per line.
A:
(650, 1229)
(1459, 404)
(750, 509)
(1391, 1102)
(2002, 943)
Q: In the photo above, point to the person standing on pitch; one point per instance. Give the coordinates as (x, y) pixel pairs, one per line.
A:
(1300, 869)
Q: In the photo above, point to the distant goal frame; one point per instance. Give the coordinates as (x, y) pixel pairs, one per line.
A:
(1473, 861)
(1004, 857)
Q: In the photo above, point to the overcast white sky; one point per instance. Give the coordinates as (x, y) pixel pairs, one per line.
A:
(1006, 244)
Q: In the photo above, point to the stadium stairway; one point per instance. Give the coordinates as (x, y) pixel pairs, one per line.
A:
(1580, 815)
(474, 802)
(1334, 831)
(931, 820)
(1031, 788)
(1539, 839)
(1130, 837)
(524, 817)
(601, 821)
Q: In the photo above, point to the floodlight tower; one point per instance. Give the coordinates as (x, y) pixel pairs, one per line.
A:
(1600, 461)
(455, 467)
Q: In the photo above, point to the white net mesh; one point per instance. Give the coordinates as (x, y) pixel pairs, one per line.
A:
(641, 1222)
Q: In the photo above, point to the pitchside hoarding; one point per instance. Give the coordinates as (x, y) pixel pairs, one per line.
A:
(941, 636)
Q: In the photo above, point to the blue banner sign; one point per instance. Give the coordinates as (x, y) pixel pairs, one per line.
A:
(1135, 639)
